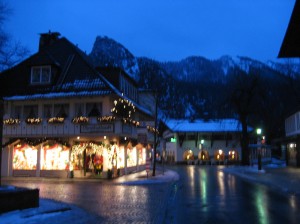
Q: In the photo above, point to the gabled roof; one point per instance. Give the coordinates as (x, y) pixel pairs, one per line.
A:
(290, 47)
(114, 73)
(73, 75)
(71, 71)
(222, 125)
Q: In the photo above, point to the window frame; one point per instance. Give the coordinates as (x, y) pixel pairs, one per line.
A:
(41, 76)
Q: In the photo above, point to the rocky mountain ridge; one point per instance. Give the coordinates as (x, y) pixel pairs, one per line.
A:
(196, 87)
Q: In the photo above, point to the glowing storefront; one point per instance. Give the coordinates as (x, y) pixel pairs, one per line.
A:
(62, 114)
(84, 159)
(203, 141)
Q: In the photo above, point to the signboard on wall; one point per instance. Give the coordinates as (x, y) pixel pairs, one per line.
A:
(97, 128)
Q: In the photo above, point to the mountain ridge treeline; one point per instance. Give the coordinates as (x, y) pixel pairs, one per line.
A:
(263, 94)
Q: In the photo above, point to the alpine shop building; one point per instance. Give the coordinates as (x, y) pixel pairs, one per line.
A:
(292, 139)
(62, 116)
(203, 141)
(290, 48)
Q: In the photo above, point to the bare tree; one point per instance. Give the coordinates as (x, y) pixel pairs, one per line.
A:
(10, 52)
(243, 94)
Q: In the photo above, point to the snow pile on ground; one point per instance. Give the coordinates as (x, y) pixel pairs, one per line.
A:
(49, 212)
(161, 177)
(276, 163)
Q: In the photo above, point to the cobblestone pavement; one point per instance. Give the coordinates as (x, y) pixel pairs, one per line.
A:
(110, 201)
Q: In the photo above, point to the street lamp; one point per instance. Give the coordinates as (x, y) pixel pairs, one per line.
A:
(258, 132)
(201, 144)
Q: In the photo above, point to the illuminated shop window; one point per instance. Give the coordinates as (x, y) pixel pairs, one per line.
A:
(24, 157)
(88, 156)
(55, 157)
(120, 156)
(131, 156)
(142, 156)
(219, 155)
(188, 155)
(233, 155)
(203, 155)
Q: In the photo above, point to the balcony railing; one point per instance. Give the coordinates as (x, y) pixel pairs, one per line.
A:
(66, 127)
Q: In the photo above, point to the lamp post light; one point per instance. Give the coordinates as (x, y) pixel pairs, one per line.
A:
(258, 132)
(201, 144)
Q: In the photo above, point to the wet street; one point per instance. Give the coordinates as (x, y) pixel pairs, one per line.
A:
(113, 203)
(204, 194)
(208, 195)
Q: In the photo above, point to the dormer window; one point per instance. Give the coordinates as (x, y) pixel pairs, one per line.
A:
(40, 75)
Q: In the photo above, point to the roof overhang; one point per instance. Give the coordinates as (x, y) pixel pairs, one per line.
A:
(290, 47)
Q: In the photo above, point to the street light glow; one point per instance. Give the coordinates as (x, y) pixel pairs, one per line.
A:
(258, 131)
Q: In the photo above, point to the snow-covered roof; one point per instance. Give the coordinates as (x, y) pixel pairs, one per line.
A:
(57, 95)
(222, 125)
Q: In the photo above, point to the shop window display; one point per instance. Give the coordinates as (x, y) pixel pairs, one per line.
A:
(188, 155)
(141, 154)
(88, 157)
(55, 157)
(24, 157)
(116, 157)
(131, 156)
(203, 155)
(219, 155)
(233, 155)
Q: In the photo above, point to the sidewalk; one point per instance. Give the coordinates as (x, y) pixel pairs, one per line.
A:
(135, 178)
(285, 179)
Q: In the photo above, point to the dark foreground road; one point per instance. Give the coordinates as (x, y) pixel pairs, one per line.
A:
(204, 194)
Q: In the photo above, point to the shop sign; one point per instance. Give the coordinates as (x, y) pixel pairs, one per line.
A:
(96, 128)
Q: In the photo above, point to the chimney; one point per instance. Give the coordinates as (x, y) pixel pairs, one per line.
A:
(47, 39)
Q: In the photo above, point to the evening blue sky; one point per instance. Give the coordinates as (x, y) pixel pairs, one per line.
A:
(164, 30)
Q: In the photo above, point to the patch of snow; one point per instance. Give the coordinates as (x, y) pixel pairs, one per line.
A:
(48, 212)
(184, 125)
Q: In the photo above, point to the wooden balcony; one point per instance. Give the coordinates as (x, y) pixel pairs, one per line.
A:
(68, 128)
